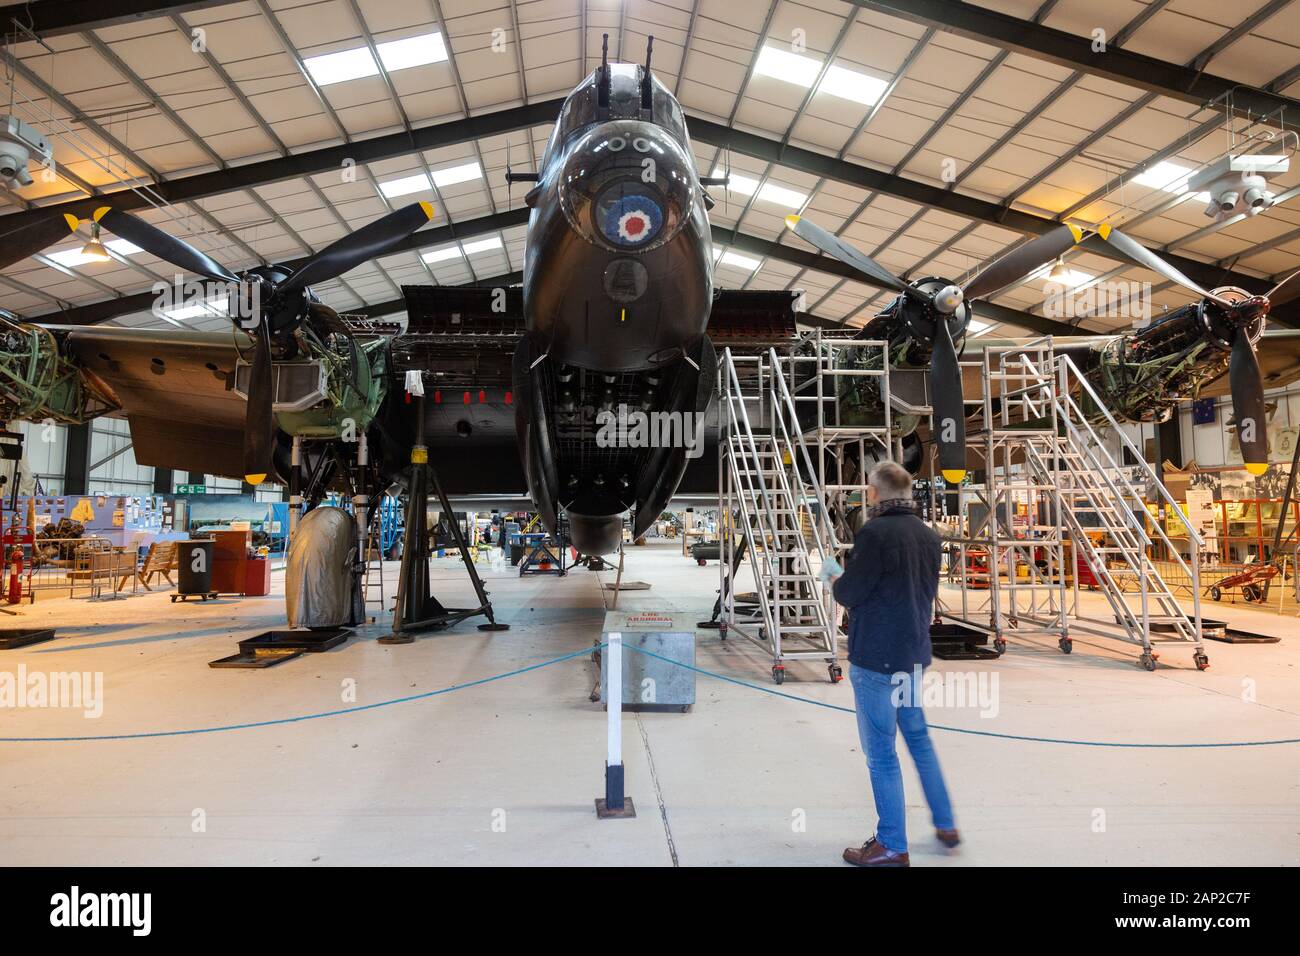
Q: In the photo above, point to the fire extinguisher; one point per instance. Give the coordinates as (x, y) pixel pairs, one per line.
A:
(16, 575)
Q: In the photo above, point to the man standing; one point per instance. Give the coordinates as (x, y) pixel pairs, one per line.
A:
(889, 588)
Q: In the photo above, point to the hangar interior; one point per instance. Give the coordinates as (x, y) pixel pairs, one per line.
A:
(330, 535)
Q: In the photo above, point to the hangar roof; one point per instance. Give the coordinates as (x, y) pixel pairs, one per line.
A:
(885, 120)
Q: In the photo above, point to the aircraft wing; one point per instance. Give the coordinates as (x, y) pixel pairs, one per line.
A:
(173, 387)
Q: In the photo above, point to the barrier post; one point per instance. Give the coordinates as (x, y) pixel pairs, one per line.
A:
(615, 803)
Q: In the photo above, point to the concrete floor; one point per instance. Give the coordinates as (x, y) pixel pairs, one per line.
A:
(505, 773)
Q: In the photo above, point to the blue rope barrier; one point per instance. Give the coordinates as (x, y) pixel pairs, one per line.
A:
(640, 650)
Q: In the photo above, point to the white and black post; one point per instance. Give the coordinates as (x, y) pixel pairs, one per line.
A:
(615, 803)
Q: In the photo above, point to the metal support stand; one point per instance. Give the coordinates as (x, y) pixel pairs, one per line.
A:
(416, 608)
(615, 803)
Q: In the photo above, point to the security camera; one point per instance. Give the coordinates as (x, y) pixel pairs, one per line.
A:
(19, 143)
(1238, 185)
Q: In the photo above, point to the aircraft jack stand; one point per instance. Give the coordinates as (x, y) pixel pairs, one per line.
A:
(416, 608)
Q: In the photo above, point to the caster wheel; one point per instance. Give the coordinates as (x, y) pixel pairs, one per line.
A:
(836, 672)
(778, 673)
(722, 631)
(1202, 662)
(1000, 646)
(1148, 661)
(701, 563)
(1065, 644)
(1216, 593)
(173, 598)
(762, 633)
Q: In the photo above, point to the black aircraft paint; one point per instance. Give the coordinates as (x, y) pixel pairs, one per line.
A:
(617, 291)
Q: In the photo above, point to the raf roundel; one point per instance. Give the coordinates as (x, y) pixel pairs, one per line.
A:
(631, 220)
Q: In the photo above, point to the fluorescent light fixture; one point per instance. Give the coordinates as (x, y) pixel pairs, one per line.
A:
(790, 67)
(339, 67)
(976, 327)
(730, 258)
(207, 309)
(78, 257)
(1170, 177)
(452, 175)
(771, 192)
(782, 195)
(396, 55)
(482, 245)
(405, 186)
(1063, 275)
(441, 255)
(852, 85)
(413, 51)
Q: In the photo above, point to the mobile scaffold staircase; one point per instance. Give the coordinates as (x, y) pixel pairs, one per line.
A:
(771, 471)
(1049, 480)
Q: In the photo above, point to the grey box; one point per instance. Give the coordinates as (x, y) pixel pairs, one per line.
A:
(653, 683)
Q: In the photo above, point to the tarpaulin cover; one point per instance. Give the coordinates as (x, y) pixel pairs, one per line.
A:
(318, 586)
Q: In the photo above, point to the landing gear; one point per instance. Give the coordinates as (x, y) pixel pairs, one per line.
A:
(836, 672)
(1065, 644)
(1201, 660)
(778, 673)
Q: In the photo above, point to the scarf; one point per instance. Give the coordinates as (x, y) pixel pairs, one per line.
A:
(891, 504)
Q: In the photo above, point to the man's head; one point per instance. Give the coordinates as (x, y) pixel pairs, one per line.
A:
(888, 480)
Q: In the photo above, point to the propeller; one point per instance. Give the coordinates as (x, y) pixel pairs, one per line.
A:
(1245, 380)
(17, 245)
(285, 306)
(259, 423)
(947, 401)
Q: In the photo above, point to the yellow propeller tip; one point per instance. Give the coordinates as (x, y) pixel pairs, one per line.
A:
(954, 476)
(1257, 467)
(1075, 231)
(428, 209)
(255, 480)
(72, 221)
(792, 220)
(99, 213)
(1104, 230)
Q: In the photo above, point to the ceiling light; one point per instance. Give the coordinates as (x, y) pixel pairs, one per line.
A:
(452, 175)
(482, 245)
(413, 51)
(339, 67)
(852, 85)
(197, 309)
(770, 191)
(730, 258)
(1063, 275)
(976, 327)
(790, 67)
(1170, 177)
(405, 186)
(84, 255)
(441, 255)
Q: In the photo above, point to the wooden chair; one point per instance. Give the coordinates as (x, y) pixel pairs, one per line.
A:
(160, 560)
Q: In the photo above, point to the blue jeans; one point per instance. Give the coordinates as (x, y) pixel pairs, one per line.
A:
(879, 720)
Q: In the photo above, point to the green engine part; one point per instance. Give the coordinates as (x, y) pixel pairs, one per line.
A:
(37, 383)
(351, 403)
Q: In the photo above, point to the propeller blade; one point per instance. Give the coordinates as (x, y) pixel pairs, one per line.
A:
(1273, 291)
(355, 248)
(163, 245)
(1247, 385)
(1023, 260)
(259, 423)
(1145, 257)
(17, 245)
(837, 248)
(948, 425)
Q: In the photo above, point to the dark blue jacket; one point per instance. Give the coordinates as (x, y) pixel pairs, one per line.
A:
(889, 586)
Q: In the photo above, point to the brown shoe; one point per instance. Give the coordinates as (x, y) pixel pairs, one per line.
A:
(875, 853)
(949, 838)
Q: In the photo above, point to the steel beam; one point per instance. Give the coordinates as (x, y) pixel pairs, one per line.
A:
(74, 16)
(1072, 51)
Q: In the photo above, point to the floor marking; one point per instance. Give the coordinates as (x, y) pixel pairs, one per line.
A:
(659, 792)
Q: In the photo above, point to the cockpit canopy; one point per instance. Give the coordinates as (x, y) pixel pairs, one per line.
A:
(582, 108)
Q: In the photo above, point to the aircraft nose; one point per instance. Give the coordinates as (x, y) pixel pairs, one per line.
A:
(627, 186)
